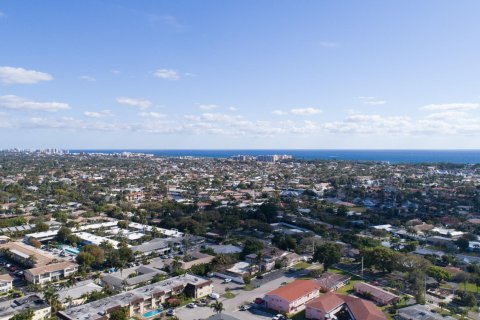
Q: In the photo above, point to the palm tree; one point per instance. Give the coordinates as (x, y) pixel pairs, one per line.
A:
(69, 300)
(72, 280)
(52, 298)
(96, 276)
(217, 306)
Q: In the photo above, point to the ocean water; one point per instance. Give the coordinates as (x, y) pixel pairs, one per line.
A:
(392, 156)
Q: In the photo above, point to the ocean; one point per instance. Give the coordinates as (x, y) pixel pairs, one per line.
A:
(392, 156)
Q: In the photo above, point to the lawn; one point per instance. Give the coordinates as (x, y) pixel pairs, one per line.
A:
(301, 265)
(249, 287)
(228, 295)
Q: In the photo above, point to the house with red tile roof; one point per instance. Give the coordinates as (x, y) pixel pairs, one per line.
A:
(331, 305)
(291, 298)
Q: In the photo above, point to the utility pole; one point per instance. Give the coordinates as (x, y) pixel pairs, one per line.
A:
(362, 266)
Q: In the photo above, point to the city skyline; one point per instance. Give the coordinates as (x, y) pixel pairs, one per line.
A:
(239, 75)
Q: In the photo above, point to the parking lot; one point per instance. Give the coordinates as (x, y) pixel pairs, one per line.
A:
(232, 306)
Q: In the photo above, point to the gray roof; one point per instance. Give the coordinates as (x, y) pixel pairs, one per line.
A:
(97, 309)
(419, 312)
(218, 249)
(78, 290)
(11, 307)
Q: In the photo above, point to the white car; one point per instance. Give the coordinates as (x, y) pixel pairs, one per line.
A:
(227, 280)
(191, 305)
(214, 296)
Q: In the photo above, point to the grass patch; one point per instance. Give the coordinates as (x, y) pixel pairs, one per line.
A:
(248, 287)
(228, 295)
(348, 288)
(301, 265)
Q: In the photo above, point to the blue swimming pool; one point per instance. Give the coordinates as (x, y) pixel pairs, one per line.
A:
(71, 250)
(151, 313)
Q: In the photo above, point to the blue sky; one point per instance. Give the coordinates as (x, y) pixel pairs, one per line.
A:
(240, 74)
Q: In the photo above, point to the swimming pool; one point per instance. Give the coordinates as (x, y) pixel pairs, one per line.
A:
(151, 313)
(71, 250)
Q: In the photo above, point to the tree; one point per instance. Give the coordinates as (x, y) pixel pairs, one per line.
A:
(327, 253)
(63, 234)
(85, 259)
(23, 315)
(462, 244)
(383, 258)
(119, 314)
(34, 242)
(52, 298)
(96, 252)
(438, 273)
(217, 306)
(252, 246)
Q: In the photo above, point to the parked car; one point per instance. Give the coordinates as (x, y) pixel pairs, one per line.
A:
(259, 301)
(214, 296)
(245, 307)
(260, 276)
(210, 274)
(170, 312)
(227, 280)
(279, 317)
(191, 305)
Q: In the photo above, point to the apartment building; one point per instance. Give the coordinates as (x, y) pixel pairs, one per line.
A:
(292, 297)
(142, 300)
(41, 310)
(5, 282)
(50, 272)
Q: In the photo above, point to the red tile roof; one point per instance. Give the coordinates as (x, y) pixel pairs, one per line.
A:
(361, 309)
(295, 290)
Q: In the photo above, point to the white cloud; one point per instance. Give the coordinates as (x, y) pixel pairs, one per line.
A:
(115, 72)
(166, 74)
(2, 14)
(305, 111)
(12, 75)
(208, 107)
(19, 103)
(447, 115)
(363, 123)
(142, 104)
(87, 78)
(232, 109)
(152, 114)
(451, 106)
(372, 101)
(98, 114)
(279, 112)
(329, 44)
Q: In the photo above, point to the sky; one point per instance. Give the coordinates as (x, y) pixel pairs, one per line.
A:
(218, 74)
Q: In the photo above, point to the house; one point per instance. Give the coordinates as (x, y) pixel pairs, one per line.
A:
(51, 272)
(41, 310)
(291, 298)
(77, 293)
(122, 280)
(5, 282)
(332, 281)
(141, 300)
(330, 305)
(270, 256)
(376, 294)
(157, 246)
(420, 312)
